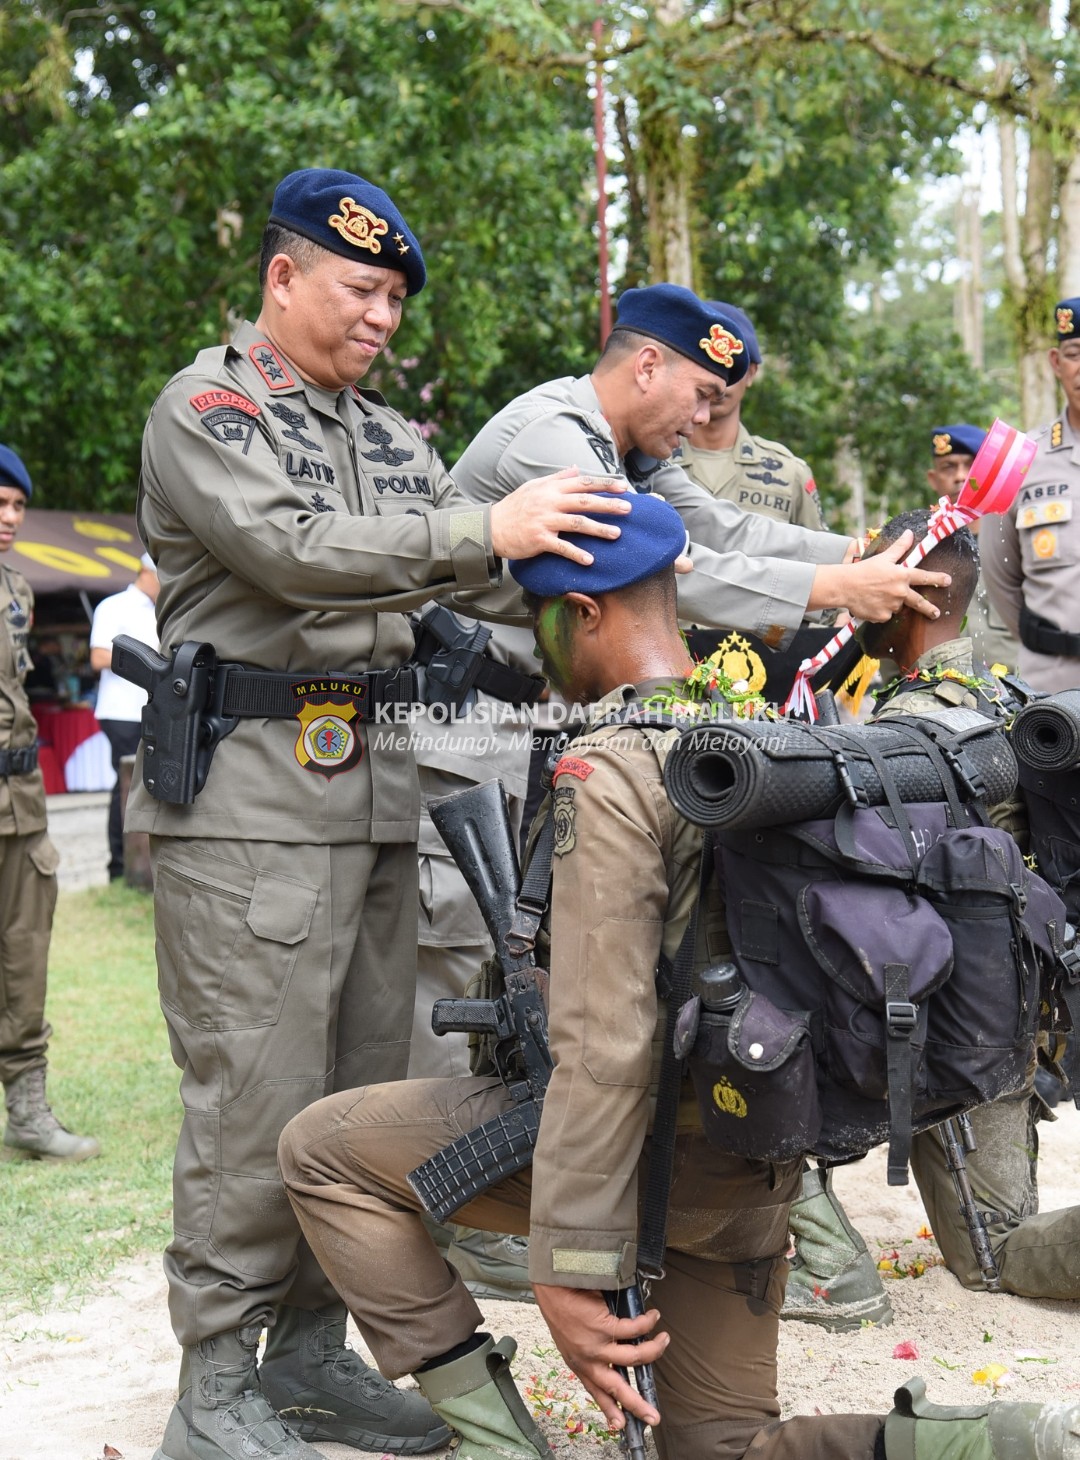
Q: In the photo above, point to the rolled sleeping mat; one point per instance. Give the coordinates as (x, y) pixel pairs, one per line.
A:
(1046, 733)
(744, 774)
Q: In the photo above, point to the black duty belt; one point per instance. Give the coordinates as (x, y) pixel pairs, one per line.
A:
(1043, 637)
(269, 694)
(20, 761)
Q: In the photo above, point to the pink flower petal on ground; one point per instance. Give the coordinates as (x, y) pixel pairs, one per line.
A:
(905, 1350)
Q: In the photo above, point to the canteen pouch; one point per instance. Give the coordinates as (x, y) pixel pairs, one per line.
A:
(754, 1078)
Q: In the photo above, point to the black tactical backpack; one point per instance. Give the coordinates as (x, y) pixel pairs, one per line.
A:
(894, 960)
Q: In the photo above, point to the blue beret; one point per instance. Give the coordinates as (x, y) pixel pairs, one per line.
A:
(677, 317)
(13, 473)
(652, 536)
(746, 329)
(959, 440)
(1067, 319)
(350, 217)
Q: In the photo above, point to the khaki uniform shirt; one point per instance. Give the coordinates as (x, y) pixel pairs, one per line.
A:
(1031, 556)
(758, 476)
(22, 798)
(624, 880)
(293, 528)
(749, 573)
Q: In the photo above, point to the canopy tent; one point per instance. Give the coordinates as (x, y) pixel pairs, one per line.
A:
(84, 553)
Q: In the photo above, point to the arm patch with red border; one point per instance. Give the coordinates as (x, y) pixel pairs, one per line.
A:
(573, 765)
(211, 398)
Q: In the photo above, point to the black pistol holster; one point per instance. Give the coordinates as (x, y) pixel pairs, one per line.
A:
(452, 663)
(182, 722)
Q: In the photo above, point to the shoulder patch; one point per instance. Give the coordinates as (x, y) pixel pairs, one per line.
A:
(572, 765)
(1057, 433)
(211, 398)
(810, 485)
(564, 813)
(271, 366)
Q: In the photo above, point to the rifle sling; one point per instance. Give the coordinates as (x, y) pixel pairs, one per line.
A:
(653, 1238)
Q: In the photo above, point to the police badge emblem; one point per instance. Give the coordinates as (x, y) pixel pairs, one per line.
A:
(328, 743)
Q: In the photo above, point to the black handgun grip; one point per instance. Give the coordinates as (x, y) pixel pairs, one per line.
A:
(468, 1016)
(137, 662)
(476, 1161)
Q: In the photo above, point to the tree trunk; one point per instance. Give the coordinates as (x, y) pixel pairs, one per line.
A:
(1025, 238)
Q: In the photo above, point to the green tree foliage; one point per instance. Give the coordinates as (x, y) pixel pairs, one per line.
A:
(132, 211)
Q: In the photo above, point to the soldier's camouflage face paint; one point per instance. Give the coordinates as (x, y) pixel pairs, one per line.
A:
(552, 625)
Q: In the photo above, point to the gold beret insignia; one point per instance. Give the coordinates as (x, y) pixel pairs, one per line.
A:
(1065, 321)
(942, 444)
(721, 345)
(358, 225)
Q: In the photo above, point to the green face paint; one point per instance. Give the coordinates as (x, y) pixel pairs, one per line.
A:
(553, 639)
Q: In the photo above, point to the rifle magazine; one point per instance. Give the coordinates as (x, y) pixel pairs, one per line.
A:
(476, 1161)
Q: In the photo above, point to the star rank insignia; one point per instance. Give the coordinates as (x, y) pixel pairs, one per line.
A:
(380, 437)
(296, 422)
(402, 246)
(271, 367)
(1057, 434)
(319, 503)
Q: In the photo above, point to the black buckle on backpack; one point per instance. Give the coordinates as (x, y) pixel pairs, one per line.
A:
(900, 1019)
(971, 782)
(855, 793)
(1069, 959)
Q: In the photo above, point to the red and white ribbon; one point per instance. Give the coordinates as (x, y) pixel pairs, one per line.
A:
(992, 485)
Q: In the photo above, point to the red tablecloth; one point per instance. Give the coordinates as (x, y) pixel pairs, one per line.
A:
(80, 751)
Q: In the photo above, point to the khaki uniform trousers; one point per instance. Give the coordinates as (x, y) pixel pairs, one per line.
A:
(1038, 1253)
(285, 972)
(345, 1160)
(27, 901)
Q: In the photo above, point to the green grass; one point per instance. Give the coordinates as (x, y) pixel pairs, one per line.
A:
(110, 1075)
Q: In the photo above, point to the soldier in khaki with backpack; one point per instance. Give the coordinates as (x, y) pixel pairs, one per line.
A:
(835, 1282)
(624, 877)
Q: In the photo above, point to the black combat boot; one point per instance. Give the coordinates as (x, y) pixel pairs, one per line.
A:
(326, 1391)
(221, 1415)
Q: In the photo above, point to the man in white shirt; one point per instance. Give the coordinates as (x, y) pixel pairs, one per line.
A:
(120, 703)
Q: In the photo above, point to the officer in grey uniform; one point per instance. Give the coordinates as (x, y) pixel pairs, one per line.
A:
(1031, 564)
(670, 358)
(953, 451)
(294, 520)
(28, 862)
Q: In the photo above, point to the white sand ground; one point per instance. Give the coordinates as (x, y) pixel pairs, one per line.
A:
(97, 1380)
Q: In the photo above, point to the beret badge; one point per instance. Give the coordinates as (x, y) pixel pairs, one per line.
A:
(1065, 321)
(358, 225)
(942, 444)
(721, 345)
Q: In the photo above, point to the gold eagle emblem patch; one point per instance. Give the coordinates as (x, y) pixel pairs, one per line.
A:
(1065, 325)
(359, 225)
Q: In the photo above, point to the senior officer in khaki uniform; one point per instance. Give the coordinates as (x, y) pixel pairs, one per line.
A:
(757, 475)
(953, 451)
(669, 359)
(28, 862)
(294, 519)
(1031, 564)
(624, 877)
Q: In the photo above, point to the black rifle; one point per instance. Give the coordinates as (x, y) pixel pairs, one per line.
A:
(958, 1137)
(181, 724)
(475, 825)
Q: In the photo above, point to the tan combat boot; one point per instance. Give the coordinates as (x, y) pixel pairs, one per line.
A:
(32, 1126)
(833, 1280)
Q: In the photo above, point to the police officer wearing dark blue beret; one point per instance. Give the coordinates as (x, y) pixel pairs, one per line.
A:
(295, 518)
(28, 862)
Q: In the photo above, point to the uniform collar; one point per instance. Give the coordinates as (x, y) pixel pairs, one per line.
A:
(957, 654)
